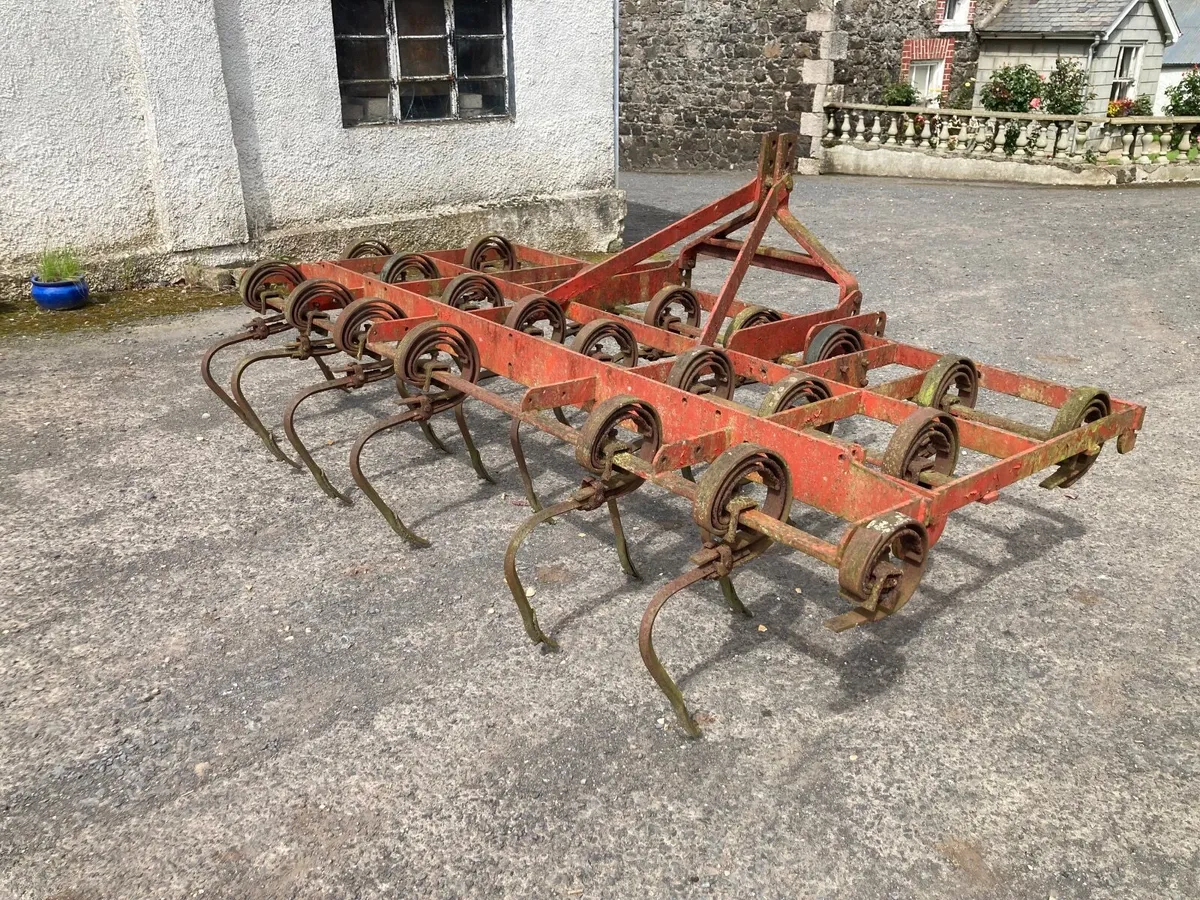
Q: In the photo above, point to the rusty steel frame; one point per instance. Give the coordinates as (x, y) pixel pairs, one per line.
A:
(893, 514)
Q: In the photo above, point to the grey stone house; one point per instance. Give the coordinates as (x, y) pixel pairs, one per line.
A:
(1119, 42)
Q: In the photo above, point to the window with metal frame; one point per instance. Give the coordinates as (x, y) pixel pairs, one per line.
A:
(422, 60)
(1129, 63)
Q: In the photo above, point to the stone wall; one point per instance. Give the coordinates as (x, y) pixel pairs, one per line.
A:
(876, 32)
(702, 80)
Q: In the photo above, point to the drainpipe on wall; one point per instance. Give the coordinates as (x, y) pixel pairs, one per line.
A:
(1091, 58)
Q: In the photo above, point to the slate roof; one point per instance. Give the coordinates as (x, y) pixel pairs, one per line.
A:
(1186, 51)
(1050, 16)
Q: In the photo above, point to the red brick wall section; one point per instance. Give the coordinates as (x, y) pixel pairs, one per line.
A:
(928, 48)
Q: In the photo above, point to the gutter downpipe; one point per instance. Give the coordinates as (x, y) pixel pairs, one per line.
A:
(1092, 56)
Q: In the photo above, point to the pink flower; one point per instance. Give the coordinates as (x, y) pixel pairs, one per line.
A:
(1035, 103)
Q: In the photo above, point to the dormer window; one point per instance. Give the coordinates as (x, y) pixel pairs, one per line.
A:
(956, 15)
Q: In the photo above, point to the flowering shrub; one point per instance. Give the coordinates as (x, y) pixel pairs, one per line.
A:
(1184, 98)
(1066, 92)
(1012, 89)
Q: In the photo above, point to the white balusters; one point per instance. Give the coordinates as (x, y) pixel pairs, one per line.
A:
(1023, 139)
(964, 131)
(1063, 147)
(1044, 141)
(1142, 141)
(1081, 136)
(1126, 143)
(1000, 137)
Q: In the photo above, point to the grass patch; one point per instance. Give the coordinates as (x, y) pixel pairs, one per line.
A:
(23, 317)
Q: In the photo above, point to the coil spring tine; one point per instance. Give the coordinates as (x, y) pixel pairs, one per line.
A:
(732, 598)
(426, 428)
(561, 416)
(365, 486)
(249, 416)
(206, 369)
(289, 428)
(528, 616)
(514, 435)
(476, 459)
(622, 547)
(646, 646)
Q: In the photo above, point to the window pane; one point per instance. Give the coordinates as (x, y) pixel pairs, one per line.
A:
(425, 100)
(483, 98)
(478, 56)
(365, 103)
(362, 58)
(358, 17)
(420, 16)
(479, 16)
(418, 58)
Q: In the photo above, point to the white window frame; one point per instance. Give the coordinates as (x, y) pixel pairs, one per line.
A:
(1128, 85)
(397, 79)
(956, 16)
(937, 68)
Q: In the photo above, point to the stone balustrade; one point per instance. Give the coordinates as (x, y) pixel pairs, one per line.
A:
(1068, 141)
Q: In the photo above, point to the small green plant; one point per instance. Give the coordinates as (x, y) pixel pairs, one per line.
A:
(1012, 89)
(1090, 157)
(900, 94)
(1065, 92)
(59, 264)
(1183, 99)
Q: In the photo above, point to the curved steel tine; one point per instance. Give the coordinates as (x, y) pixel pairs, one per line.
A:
(732, 598)
(249, 416)
(686, 471)
(646, 645)
(528, 616)
(562, 416)
(322, 365)
(514, 436)
(206, 369)
(622, 548)
(476, 459)
(289, 428)
(365, 486)
(426, 428)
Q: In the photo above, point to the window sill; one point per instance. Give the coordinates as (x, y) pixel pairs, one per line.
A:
(954, 28)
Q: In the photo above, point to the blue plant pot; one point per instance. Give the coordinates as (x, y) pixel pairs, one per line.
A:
(59, 294)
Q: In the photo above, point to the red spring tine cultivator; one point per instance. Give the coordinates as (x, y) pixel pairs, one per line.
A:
(658, 388)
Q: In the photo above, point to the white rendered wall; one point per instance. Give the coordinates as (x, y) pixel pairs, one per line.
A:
(163, 126)
(299, 165)
(74, 144)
